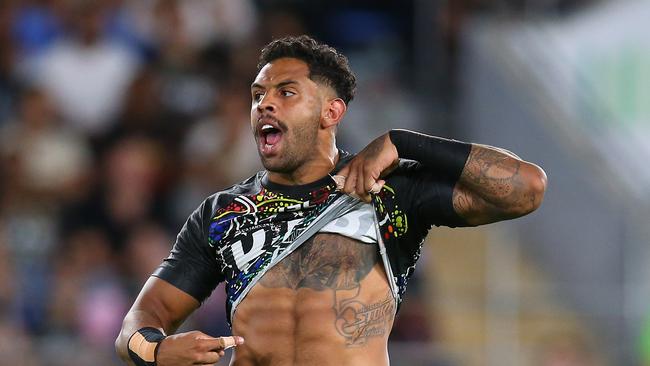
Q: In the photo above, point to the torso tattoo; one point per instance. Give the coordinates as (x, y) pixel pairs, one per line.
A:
(330, 262)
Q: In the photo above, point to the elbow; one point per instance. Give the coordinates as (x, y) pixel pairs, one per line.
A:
(528, 195)
(121, 347)
(534, 189)
(538, 186)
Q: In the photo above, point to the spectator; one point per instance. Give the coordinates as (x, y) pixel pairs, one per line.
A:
(86, 73)
(145, 115)
(9, 83)
(130, 193)
(212, 144)
(146, 246)
(49, 161)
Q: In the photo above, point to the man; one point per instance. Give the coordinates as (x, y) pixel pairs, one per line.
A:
(316, 250)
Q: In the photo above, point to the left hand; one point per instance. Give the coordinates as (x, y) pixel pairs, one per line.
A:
(362, 175)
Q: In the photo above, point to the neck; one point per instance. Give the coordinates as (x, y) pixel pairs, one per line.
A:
(324, 160)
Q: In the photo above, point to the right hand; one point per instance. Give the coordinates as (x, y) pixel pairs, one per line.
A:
(362, 175)
(194, 348)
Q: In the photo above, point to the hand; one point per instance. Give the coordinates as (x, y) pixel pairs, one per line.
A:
(194, 348)
(362, 175)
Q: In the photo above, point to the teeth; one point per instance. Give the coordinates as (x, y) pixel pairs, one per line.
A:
(266, 127)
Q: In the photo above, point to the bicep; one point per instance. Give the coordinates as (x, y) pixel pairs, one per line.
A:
(473, 209)
(497, 185)
(167, 304)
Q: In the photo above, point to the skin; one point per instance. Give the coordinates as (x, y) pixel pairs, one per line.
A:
(306, 111)
(327, 303)
(494, 185)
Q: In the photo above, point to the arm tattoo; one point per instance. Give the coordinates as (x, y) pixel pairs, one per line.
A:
(333, 262)
(491, 184)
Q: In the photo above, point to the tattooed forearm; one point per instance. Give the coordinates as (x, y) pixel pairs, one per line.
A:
(496, 185)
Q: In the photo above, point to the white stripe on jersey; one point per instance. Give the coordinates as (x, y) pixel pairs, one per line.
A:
(357, 224)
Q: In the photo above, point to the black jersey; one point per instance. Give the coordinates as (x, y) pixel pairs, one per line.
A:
(236, 235)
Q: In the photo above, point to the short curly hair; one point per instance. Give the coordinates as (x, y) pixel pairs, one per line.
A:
(325, 63)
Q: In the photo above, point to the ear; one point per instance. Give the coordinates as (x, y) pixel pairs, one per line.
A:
(333, 112)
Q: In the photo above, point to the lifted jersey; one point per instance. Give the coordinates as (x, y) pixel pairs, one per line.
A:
(236, 235)
(248, 233)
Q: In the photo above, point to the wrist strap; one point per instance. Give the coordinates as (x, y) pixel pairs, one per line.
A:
(445, 155)
(143, 346)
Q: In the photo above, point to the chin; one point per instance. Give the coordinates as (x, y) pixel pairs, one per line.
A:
(278, 165)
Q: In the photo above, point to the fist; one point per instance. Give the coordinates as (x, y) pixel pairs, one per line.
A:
(362, 175)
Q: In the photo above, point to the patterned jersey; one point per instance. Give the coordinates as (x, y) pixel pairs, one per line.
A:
(236, 235)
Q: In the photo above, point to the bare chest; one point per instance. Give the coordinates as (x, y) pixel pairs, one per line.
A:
(326, 261)
(331, 294)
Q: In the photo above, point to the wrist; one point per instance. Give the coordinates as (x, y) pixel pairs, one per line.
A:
(393, 149)
(143, 346)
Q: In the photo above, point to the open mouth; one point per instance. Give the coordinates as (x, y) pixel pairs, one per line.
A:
(270, 135)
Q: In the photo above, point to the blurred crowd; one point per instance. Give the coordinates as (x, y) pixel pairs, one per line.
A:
(116, 119)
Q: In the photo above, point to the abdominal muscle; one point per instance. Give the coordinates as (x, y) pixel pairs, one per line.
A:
(328, 303)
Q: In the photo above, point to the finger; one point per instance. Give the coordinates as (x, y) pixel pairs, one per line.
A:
(227, 342)
(369, 181)
(345, 171)
(377, 186)
(208, 358)
(370, 185)
(360, 190)
(361, 184)
(221, 343)
(350, 181)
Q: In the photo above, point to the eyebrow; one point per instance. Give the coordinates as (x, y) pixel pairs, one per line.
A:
(278, 85)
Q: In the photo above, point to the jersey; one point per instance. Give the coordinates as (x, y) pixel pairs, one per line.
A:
(236, 235)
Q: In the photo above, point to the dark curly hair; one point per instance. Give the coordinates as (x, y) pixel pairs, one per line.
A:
(325, 63)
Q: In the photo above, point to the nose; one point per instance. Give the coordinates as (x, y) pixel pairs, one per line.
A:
(266, 104)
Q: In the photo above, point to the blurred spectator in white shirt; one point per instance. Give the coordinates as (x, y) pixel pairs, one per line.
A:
(201, 22)
(46, 161)
(86, 73)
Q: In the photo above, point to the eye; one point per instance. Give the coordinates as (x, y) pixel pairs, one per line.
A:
(287, 93)
(257, 96)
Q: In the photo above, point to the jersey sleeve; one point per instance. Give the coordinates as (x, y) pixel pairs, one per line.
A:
(191, 265)
(434, 166)
(427, 197)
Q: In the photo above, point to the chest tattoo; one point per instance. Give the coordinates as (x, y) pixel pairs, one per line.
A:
(325, 261)
(334, 262)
